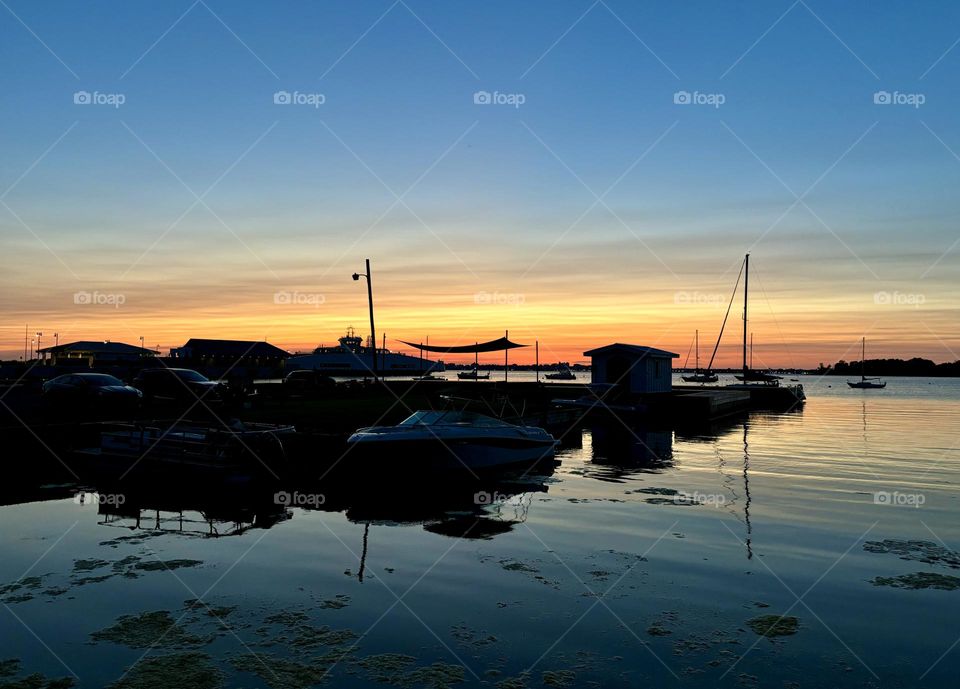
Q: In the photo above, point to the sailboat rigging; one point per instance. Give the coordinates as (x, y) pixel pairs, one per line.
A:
(707, 376)
(866, 383)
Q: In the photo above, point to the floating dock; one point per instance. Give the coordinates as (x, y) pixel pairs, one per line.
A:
(710, 404)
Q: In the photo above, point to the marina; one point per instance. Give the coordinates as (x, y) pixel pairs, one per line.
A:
(432, 345)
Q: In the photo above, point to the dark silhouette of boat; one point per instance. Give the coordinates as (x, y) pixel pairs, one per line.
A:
(698, 376)
(866, 383)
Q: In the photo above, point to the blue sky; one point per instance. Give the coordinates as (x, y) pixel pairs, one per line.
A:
(499, 190)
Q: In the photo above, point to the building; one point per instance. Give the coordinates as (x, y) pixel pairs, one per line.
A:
(229, 352)
(635, 368)
(94, 354)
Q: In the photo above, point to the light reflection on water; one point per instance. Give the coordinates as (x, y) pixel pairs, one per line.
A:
(762, 510)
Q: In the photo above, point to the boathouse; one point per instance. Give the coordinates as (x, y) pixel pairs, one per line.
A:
(637, 369)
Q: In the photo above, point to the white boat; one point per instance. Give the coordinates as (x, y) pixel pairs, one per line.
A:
(451, 440)
(352, 358)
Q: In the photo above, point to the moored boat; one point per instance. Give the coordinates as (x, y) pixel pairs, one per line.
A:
(451, 440)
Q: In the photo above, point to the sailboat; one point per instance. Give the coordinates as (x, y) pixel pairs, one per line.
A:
(866, 383)
(750, 379)
(698, 377)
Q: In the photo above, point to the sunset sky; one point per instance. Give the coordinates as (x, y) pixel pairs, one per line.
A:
(589, 203)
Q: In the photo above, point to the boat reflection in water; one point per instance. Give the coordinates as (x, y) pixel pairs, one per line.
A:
(474, 509)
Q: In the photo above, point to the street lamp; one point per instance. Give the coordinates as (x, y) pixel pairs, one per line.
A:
(39, 335)
(373, 332)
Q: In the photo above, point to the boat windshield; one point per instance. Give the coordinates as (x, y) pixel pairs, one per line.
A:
(466, 418)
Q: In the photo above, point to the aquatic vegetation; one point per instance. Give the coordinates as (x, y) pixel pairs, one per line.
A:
(337, 602)
(558, 678)
(436, 676)
(920, 580)
(288, 618)
(38, 681)
(162, 565)
(89, 565)
(311, 637)
(514, 566)
(467, 636)
(148, 629)
(519, 682)
(386, 667)
(774, 625)
(11, 667)
(284, 673)
(655, 491)
(192, 671)
(917, 551)
(656, 629)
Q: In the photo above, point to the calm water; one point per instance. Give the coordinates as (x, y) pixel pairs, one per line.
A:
(638, 562)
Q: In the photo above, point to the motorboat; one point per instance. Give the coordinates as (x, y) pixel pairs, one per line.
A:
(452, 440)
(187, 450)
(564, 373)
(473, 374)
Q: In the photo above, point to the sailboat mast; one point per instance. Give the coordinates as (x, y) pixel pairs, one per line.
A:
(746, 290)
(697, 338)
(863, 358)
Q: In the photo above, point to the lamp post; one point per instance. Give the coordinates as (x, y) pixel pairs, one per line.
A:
(39, 335)
(373, 332)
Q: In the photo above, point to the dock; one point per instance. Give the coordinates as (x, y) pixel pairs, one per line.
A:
(710, 403)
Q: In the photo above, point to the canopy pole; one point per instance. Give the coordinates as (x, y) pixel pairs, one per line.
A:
(506, 352)
(476, 361)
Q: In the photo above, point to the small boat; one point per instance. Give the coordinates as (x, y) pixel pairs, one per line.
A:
(473, 374)
(698, 377)
(866, 383)
(564, 373)
(187, 450)
(451, 440)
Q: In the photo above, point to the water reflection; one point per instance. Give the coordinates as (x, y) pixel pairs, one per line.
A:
(475, 509)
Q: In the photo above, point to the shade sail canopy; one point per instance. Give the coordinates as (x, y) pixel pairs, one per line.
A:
(498, 345)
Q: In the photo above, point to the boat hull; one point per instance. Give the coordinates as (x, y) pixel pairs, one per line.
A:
(463, 454)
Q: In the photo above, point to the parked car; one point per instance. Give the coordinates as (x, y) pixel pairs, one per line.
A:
(178, 384)
(306, 380)
(89, 387)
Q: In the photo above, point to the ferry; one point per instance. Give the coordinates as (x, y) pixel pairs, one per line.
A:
(352, 358)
